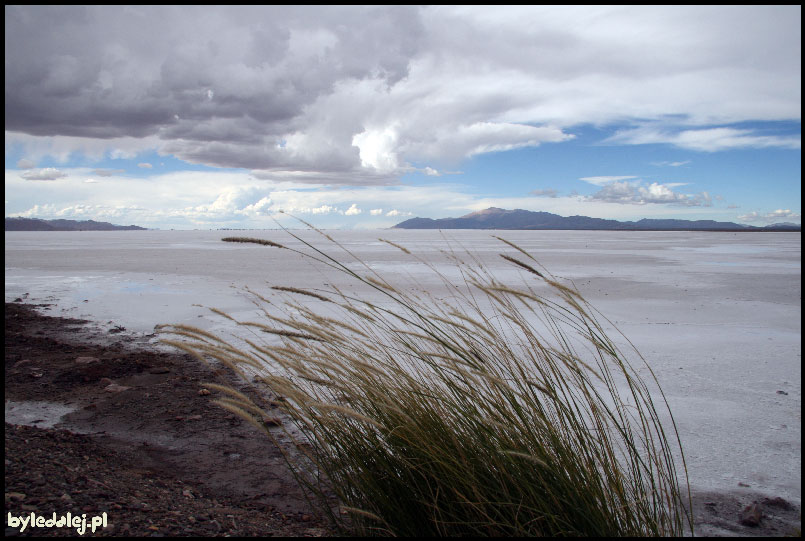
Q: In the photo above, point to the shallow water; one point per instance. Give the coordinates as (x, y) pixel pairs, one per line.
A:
(36, 413)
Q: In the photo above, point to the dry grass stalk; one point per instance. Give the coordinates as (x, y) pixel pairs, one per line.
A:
(301, 292)
(264, 242)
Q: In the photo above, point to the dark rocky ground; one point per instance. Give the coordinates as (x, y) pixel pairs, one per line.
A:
(158, 458)
(161, 460)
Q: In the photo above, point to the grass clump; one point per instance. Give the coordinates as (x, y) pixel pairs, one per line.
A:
(502, 410)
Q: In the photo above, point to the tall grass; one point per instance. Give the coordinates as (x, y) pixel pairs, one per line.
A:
(500, 410)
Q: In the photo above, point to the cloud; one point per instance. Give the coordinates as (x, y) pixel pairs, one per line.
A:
(321, 178)
(353, 210)
(671, 164)
(550, 192)
(356, 94)
(602, 180)
(82, 212)
(458, 141)
(48, 173)
(377, 149)
(63, 148)
(776, 216)
(706, 140)
(147, 71)
(233, 202)
(108, 172)
(25, 164)
(780, 213)
(145, 165)
(324, 209)
(635, 193)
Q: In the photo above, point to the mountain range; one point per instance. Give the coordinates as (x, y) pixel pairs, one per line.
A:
(497, 218)
(35, 224)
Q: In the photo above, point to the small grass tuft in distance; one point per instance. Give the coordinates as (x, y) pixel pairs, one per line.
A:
(503, 411)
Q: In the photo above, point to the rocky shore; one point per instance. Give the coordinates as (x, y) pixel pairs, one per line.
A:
(143, 443)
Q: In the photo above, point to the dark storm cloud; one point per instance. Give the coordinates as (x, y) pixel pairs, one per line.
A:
(209, 77)
(56, 69)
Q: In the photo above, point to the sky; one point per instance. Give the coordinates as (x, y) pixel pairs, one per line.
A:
(207, 117)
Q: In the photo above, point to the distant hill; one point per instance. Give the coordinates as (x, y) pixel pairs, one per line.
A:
(35, 224)
(496, 218)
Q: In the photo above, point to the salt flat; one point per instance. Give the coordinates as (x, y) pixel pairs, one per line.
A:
(716, 315)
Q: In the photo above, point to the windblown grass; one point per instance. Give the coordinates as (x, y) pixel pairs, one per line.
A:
(502, 410)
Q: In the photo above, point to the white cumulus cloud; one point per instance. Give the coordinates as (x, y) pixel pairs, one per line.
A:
(779, 215)
(48, 173)
(353, 210)
(636, 193)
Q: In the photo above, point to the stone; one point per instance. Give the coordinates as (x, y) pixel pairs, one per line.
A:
(778, 502)
(92, 369)
(15, 496)
(751, 515)
(159, 370)
(115, 388)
